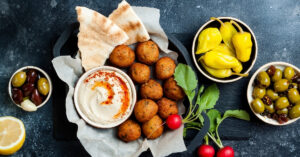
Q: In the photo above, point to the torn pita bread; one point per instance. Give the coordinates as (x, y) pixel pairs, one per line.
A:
(97, 37)
(125, 17)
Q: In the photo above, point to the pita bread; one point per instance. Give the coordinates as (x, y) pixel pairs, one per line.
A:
(97, 37)
(125, 17)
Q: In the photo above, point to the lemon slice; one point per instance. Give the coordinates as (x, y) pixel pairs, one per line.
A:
(12, 135)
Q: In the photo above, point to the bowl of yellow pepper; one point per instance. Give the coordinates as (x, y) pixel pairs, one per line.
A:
(224, 49)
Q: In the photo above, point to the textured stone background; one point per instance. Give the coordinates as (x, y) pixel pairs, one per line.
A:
(28, 30)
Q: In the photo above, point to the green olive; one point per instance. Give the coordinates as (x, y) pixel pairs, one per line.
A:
(19, 79)
(258, 106)
(281, 85)
(263, 79)
(282, 111)
(277, 75)
(288, 73)
(270, 108)
(258, 92)
(281, 103)
(272, 95)
(43, 86)
(297, 103)
(293, 95)
(295, 111)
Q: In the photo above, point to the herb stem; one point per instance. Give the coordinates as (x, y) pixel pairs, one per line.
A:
(206, 139)
(196, 116)
(217, 133)
(190, 112)
(191, 127)
(215, 140)
(193, 118)
(209, 135)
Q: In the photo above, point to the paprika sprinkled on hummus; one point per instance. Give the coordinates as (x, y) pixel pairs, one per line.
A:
(104, 96)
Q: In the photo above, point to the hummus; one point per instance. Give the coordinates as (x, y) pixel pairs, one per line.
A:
(104, 97)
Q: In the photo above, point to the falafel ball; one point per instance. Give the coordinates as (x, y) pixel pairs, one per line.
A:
(129, 131)
(122, 56)
(167, 107)
(145, 109)
(139, 73)
(147, 52)
(164, 68)
(151, 90)
(153, 128)
(172, 90)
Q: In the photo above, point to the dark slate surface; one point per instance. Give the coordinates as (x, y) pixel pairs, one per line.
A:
(28, 30)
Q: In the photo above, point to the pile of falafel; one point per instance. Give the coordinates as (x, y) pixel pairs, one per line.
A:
(155, 103)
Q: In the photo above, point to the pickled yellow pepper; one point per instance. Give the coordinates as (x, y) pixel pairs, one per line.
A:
(239, 68)
(242, 43)
(222, 48)
(227, 31)
(219, 73)
(208, 39)
(218, 60)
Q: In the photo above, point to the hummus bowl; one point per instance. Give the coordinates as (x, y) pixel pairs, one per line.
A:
(104, 97)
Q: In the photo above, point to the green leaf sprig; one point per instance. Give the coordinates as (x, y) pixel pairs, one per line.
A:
(205, 102)
(186, 79)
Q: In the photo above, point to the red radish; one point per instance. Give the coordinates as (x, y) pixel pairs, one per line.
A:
(174, 121)
(206, 151)
(226, 151)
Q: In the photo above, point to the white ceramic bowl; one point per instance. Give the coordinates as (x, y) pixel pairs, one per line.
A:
(39, 70)
(132, 102)
(280, 65)
(246, 66)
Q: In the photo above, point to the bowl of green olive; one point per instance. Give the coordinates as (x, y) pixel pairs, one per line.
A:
(30, 88)
(224, 49)
(273, 93)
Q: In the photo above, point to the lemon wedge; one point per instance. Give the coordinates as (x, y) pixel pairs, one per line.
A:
(12, 135)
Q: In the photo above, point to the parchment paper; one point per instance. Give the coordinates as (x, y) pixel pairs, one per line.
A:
(104, 142)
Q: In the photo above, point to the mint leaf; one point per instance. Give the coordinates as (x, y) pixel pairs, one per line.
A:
(186, 79)
(240, 114)
(213, 115)
(209, 98)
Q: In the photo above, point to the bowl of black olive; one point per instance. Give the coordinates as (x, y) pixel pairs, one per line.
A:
(30, 88)
(273, 93)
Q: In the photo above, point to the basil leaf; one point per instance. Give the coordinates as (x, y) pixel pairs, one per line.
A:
(209, 98)
(240, 114)
(213, 115)
(186, 79)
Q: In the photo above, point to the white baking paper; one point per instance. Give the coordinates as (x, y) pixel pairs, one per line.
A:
(104, 142)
